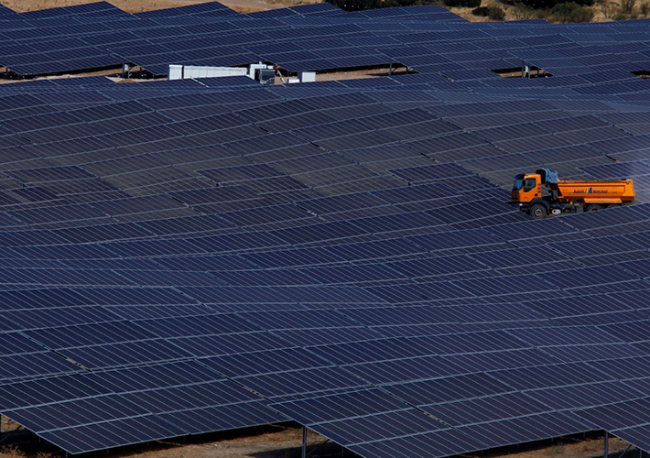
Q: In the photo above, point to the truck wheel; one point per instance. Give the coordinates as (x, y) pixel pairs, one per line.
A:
(593, 208)
(537, 211)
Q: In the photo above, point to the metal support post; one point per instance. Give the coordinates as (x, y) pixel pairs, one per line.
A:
(304, 442)
(606, 451)
(390, 69)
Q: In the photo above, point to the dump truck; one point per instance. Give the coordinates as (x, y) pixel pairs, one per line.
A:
(543, 194)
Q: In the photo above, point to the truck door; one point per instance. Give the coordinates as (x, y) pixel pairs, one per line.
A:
(530, 188)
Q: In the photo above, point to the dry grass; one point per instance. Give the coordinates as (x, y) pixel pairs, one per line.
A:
(11, 452)
(7, 425)
(132, 6)
(15, 452)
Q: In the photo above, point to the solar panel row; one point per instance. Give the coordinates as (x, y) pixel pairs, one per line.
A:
(215, 254)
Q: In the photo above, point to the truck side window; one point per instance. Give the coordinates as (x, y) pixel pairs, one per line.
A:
(529, 184)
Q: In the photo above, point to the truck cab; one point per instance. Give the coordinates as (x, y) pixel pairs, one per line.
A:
(527, 187)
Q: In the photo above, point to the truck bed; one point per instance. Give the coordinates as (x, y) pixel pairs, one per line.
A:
(605, 191)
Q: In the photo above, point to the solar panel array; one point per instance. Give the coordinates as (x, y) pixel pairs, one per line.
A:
(203, 255)
(427, 38)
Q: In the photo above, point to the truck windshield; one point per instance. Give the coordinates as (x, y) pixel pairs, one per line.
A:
(519, 182)
(529, 184)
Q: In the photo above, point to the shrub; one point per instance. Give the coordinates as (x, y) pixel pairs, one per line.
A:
(521, 12)
(496, 13)
(571, 12)
(465, 3)
(627, 6)
(645, 8)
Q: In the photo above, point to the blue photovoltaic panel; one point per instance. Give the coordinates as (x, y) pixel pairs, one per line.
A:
(193, 248)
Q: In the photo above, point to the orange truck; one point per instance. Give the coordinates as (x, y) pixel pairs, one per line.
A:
(542, 193)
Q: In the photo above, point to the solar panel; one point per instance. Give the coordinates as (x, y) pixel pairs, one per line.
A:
(341, 247)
